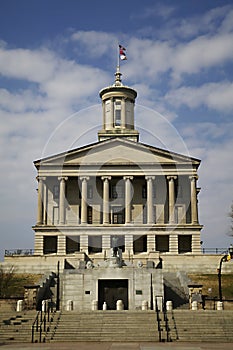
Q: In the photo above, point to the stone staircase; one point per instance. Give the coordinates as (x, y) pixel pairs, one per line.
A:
(175, 290)
(16, 326)
(200, 325)
(117, 326)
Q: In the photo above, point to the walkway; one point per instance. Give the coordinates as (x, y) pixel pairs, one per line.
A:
(119, 346)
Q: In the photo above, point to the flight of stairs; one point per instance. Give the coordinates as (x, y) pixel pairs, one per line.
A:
(200, 325)
(121, 326)
(117, 326)
(16, 326)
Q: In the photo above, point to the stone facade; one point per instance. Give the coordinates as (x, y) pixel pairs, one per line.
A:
(115, 200)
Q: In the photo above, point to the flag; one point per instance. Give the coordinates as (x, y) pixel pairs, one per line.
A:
(122, 53)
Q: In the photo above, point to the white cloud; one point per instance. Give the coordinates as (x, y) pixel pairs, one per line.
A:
(215, 96)
(96, 44)
(32, 65)
(157, 10)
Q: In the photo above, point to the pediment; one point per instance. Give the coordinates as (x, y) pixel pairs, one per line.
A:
(115, 152)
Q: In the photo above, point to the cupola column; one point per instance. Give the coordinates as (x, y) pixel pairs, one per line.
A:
(150, 207)
(128, 194)
(123, 113)
(84, 180)
(171, 193)
(194, 216)
(106, 180)
(40, 207)
(62, 199)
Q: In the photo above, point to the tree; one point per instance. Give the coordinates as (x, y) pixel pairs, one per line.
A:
(6, 278)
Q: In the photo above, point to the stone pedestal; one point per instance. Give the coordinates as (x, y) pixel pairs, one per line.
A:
(219, 305)
(119, 305)
(169, 306)
(19, 306)
(94, 305)
(144, 305)
(70, 305)
(194, 305)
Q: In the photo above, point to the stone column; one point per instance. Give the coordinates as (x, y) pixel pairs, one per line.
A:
(171, 191)
(84, 243)
(196, 244)
(150, 207)
(129, 246)
(194, 216)
(150, 242)
(84, 180)
(61, 245)
(40, 208)
(112, 113)
(38, 245)
(123, 113)
(127, 180)
(106, 180)
(173, 244)
(62, 199)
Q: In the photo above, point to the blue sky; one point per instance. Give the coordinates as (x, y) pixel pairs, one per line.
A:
(56, 55)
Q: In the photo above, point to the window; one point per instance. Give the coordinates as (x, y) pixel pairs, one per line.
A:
(118, 241)
(184, 244)
(117, 111)
(144, 191)
(89, 215)
(56, 192)
(89, 192)
(50, 244)
(94, 244)
(118, 215)
(140, 244)
(162, 243)
(117, 191)
(72, 244)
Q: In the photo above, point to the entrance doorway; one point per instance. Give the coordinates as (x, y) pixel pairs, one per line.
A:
(110, 291)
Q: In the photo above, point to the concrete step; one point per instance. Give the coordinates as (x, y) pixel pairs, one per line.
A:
(106, 326)
(201, 325)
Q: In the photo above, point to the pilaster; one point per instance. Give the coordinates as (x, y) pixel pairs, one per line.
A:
(173, 243)
(61, 245)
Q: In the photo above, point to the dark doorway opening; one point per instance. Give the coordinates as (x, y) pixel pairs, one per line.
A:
(110, 291)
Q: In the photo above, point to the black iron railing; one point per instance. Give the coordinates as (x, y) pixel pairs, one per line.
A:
(214, 250)
(42, 323)
(28, 252)
(24, 252)
(162, 319)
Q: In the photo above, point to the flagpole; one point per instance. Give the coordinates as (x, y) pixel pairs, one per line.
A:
(118, 58)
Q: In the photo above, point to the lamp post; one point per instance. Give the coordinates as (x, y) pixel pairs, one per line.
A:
(224, 258)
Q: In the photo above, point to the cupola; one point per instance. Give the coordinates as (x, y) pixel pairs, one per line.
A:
(118, 103)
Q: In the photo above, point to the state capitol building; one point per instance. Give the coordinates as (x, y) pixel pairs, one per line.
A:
(116, 212)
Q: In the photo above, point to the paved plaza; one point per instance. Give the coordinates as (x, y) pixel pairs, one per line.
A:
(119, 346)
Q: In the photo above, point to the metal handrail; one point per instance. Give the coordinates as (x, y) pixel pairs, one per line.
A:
(22, 252)
(37, 326)
(158, 320)
(40, 323)
(26, 252)
(165, 318)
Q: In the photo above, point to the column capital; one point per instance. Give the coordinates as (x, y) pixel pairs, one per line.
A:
(127, 178)
(106, 178)
(149, 177)
(41, 178)
(193, 177)
(171, 177)
(84, 178)
(62, 178)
